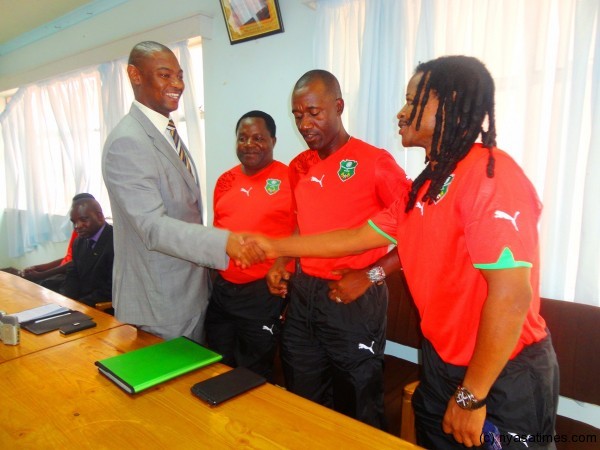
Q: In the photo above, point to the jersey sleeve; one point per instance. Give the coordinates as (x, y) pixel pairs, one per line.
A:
(386, 221)
(222, 186)
(501, 216)
(69, 255)
(391, 181)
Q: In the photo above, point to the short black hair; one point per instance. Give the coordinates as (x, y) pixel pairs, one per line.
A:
(269, 122)
(144, 49)
(90, 202)
(82, 195)
(327, 78)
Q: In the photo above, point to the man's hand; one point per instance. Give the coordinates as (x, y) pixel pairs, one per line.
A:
(242, 251)
(465, 425)
(263, 244)
(30, 269)
(278, 277)
(32, 274)
(353, 284)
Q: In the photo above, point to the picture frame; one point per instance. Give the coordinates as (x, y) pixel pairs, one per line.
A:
(251, 19)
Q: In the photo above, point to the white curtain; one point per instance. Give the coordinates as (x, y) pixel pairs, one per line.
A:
(545, 58)
(53, 133)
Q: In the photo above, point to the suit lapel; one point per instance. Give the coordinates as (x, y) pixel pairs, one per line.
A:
(163, 146)
(99, 247)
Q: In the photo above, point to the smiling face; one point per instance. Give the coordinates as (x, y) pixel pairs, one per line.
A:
(254, 145)
(411, 137)
(317, 113)
(157, 81)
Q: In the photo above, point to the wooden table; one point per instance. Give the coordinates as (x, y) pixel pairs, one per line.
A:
(18, 294)
(56, 398)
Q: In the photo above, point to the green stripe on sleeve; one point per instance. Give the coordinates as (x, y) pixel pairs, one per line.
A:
(383, 233)
(506, 261)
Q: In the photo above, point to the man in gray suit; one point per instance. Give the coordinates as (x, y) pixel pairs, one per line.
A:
(162, 250)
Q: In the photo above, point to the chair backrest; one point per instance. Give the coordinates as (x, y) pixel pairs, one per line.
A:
(403, 317)
(575, 330)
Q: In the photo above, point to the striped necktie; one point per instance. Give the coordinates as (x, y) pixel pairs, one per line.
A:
(180, 150)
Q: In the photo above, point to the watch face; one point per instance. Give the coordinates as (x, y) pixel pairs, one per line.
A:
(376, 275)
(464, 398)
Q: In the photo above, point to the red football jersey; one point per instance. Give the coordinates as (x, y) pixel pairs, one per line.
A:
(343, 191)
(476, 223)
(69, 256)
(260, 203)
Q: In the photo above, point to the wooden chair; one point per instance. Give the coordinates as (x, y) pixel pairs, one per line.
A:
(407, 425)
(104, 306)
(575, 336)
(403, 327)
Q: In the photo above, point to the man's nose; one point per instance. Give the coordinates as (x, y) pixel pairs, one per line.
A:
(178, 83)
(304, 123)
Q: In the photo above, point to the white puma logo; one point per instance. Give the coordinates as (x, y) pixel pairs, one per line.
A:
(270, 330)
(246, 191)
(316, 180)
(502, 215)
(420, 206)
(520, 438)
(363, 346)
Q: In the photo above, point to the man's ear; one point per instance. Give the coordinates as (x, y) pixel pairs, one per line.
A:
(339, 105)
(134, 74)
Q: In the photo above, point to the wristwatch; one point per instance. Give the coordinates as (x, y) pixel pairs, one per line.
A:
(376, 275)
(466, 400)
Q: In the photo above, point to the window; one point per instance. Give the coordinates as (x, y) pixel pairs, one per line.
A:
(53, 133)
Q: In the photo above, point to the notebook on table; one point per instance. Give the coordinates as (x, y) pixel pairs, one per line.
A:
(146, 367)
(41, 312)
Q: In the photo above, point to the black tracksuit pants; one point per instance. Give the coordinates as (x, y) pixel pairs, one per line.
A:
(332, 353)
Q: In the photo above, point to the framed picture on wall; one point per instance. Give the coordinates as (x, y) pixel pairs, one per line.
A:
(251, 19)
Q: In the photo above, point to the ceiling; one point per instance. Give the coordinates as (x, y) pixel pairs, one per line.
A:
(25, 21)
(22, 16)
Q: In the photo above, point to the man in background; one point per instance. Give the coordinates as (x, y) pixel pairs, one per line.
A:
(52, 274)
(243, 318)
(162, 250)
(89, 276)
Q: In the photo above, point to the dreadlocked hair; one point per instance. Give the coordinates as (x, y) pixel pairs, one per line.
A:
(465, 90)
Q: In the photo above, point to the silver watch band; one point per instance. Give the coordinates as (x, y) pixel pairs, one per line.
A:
(376, 275)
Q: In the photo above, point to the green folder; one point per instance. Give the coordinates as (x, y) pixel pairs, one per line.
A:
(146, 367)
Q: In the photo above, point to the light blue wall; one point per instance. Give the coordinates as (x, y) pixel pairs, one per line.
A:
(251, 75)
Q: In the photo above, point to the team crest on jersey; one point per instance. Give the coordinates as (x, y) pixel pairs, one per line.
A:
(444, 189)
(272, 186)
(347, 169)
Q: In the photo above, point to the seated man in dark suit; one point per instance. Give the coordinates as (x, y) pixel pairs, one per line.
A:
(52, 274)
(89, 278)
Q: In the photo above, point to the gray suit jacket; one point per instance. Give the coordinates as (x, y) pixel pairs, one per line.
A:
(161, 247)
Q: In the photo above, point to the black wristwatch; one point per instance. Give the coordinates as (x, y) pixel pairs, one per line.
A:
(466, 400)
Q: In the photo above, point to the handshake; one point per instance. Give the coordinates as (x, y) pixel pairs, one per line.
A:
(248, 249)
